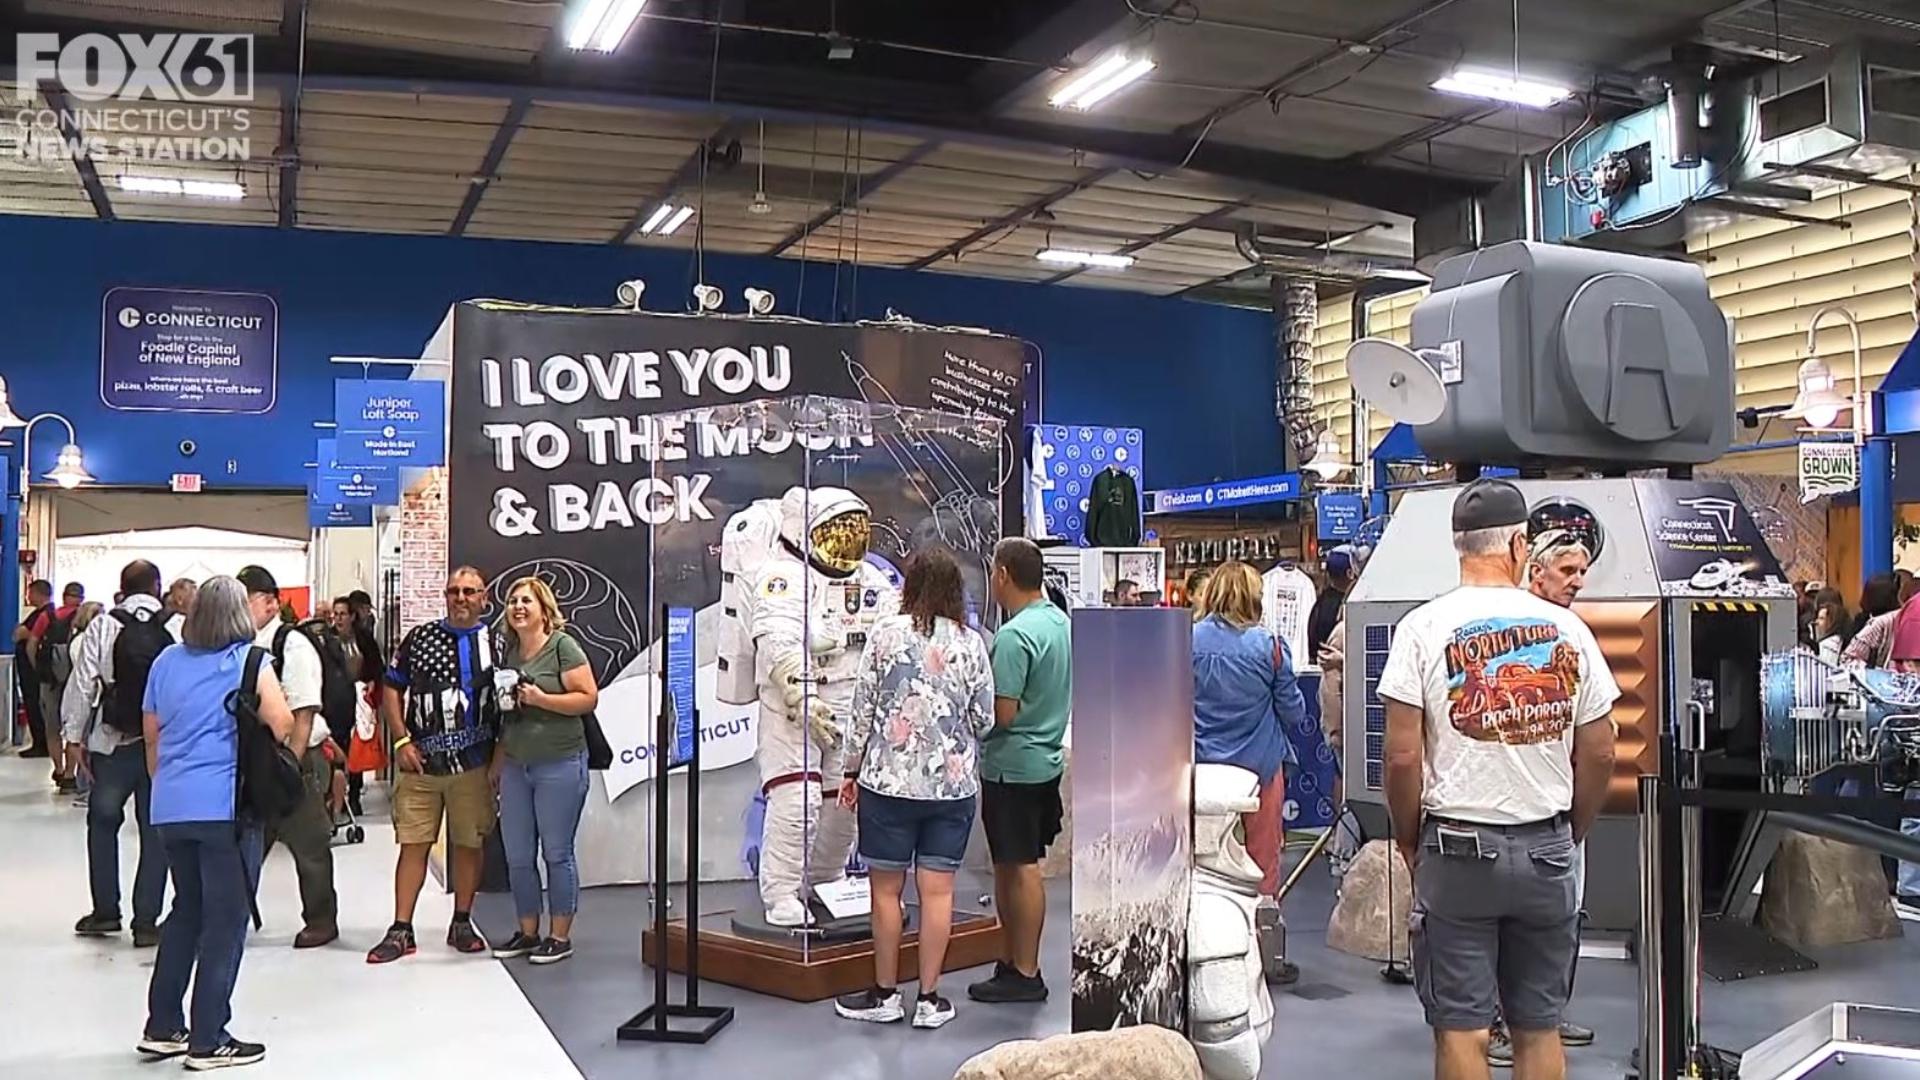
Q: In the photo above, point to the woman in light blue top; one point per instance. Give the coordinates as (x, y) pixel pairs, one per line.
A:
(214, 859)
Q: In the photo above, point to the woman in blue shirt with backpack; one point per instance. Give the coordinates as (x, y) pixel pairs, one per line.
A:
(1244, 697)
(214, 854)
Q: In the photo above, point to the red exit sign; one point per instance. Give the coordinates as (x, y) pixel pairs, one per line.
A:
(186, 482)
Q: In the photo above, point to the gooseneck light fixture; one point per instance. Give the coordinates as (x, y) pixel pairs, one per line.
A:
(1818, 402)
(69, 468)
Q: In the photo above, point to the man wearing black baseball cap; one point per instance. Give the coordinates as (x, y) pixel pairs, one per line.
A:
(308, 831)
(1497, 763)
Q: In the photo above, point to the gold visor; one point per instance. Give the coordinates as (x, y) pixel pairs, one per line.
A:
(839, 544)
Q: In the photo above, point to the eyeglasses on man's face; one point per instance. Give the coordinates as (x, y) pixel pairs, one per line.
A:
(464, 590)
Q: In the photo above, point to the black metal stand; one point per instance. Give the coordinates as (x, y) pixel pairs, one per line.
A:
(654, 1023)
(1393, 971)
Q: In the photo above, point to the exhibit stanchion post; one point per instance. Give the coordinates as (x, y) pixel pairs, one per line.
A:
(652, 1024)
(693, 867)
(1648, 950)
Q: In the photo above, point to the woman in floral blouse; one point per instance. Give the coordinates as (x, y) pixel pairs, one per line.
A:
(924, 698)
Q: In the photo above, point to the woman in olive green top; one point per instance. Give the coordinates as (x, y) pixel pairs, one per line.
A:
(539, 768)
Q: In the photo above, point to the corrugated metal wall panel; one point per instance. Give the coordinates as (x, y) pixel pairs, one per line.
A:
(1771, 276)
(1388, 317)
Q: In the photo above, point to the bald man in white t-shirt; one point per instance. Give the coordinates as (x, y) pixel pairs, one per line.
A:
(1497, 764)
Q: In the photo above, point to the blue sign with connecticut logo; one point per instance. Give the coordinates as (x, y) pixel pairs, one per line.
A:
(174, 350)
(1284, 487)
(391, 422)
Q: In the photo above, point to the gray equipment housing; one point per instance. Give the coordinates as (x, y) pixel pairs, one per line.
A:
(1414, 563)
(1570, 355)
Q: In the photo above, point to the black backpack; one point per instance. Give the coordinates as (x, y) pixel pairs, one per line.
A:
(339, 702)
(143, 637)
(27, 661)
(267, 782)
(55, 662)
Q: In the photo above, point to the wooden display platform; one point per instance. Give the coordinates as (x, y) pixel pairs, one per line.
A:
(781, 970)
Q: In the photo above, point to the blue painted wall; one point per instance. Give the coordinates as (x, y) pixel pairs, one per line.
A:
(1194, 376)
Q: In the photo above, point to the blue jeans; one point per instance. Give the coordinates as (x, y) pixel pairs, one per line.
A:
(214, 874)
(115, 777)
(540, 804)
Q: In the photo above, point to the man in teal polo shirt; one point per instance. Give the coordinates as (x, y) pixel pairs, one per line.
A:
(1020, 763)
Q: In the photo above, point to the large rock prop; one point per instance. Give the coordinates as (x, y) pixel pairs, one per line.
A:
(1821, 892)
(1132, 1053)
(1364, 922)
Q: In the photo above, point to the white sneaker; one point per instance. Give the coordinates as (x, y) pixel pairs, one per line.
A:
(873, 1007)
(787, 912)
(932, 1012)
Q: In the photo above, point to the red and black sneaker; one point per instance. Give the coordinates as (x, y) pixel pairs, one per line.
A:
(465, 937)
(399, 942)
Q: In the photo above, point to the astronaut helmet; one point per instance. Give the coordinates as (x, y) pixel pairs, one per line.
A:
(830, 526)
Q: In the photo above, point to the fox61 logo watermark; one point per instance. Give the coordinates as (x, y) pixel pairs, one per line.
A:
(139, 97)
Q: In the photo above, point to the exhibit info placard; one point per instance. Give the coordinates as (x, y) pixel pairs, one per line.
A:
(396, 422)
(549, 472)
(681, 668)
(174, 350)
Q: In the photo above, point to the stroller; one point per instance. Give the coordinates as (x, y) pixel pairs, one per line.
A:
(346, 828)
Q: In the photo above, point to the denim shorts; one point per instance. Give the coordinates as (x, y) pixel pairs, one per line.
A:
(897, 833)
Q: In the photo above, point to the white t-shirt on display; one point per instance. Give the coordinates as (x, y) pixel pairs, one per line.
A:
(1504, 678)
(1286, 599)
(299, 675)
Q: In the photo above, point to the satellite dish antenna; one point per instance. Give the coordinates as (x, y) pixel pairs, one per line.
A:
(1396, 380)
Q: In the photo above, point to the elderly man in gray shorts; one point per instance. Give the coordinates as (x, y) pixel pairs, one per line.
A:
(1497, 764)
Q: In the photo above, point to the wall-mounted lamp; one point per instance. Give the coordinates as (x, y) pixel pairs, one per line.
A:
(707, 297)
(8, 418)
(69, 468)
(759, 301)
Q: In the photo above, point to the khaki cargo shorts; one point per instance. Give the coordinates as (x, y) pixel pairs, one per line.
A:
(465, 799)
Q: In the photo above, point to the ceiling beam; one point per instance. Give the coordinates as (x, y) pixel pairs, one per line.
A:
(70, 133)
(688, 172)
(490, 164)
(852, 190)
(1426, 132)
(1211, 217)
(1012, 218)
(293, 30)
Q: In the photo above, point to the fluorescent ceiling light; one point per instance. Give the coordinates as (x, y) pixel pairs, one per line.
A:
(1071, 257)
(213, 189)
(1099, 82)
(678, 219)
(198, 189)
(1495, 86)
(601, 25)
(654, 219)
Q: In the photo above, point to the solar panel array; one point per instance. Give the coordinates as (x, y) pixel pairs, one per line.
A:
(1379, 638)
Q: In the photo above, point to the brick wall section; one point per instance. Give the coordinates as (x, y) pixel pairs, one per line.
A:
(423, 552)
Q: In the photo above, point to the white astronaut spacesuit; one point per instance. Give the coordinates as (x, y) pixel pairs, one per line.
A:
(1231, 1011)
(808, 608)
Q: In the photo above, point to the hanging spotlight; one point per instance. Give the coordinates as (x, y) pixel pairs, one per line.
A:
(69, 471)
(707, 297)
(630, 292)
(759, 301)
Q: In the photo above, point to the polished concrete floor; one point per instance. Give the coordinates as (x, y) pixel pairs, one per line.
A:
(72, 1007)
